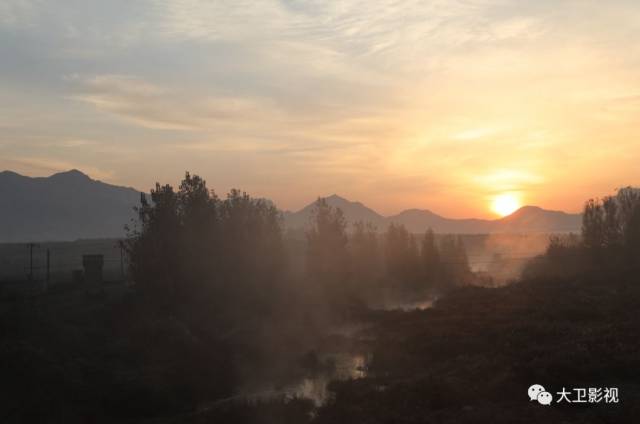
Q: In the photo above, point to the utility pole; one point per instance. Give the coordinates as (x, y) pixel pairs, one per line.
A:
(122, 262)
(46, 286)
(121, 246)
(31, 246)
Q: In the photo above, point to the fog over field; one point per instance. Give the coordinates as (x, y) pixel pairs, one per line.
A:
(319, 212)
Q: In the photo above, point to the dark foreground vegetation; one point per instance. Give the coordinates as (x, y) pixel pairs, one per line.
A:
(73, 358)
(472, 357)
(216, 302)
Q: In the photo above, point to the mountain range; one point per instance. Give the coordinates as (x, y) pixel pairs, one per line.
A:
(525, 220)
(70, 205)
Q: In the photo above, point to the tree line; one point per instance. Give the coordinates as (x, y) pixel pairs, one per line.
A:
(189, 247)
(609, 238)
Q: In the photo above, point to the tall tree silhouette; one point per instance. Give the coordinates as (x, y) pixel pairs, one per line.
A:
(189, 247)
(327, 255)
(612, 225)
(456, 262)
(431, 261)
(402, 258)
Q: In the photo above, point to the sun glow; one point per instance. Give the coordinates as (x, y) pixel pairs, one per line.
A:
(505, 204)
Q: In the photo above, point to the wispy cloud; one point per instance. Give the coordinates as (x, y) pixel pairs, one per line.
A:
(18, 13)
(152, 106)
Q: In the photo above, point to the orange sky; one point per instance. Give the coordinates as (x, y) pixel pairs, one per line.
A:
(430, 104)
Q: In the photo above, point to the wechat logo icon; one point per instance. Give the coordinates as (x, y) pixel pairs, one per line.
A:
(537, 392)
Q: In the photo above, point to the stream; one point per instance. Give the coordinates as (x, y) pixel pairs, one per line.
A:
(340, 365)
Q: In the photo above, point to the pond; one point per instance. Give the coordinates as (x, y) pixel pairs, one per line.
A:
(348, 362)
(315, 385)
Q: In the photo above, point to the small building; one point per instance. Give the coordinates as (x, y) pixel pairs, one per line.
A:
(93, 265)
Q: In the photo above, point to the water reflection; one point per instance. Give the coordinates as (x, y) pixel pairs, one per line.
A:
(409, 305)
(315, 387)
(421, 305)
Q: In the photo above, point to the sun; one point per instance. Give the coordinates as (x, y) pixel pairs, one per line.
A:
(505, 204)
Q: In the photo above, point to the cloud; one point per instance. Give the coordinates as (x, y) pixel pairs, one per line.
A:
(233, 122)
(385, 35)
(18, 13)
(508, 180)
(73, 143)
(154, 107)
(132, 99)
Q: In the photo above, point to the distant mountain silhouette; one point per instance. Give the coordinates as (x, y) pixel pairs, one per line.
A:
(64, 206)
(418, 220)
(70, 205)
(353, 211)
(525, 219)
(535, 219)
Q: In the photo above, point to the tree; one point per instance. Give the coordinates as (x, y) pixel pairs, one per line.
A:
(402, 258)
(151, 244)
(593, 224)
(610, 238)
(628, 199)
(365, 252)
(198, 249)
(456, 263)
(431, 261)
(327, 255)
(251, 236)
(632, 236)
(612, 224)
(190, 248)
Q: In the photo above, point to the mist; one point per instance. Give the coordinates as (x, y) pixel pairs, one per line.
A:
(211, 308)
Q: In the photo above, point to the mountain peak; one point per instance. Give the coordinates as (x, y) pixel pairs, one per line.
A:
(339, 201)
(8, 173)
(416, 211)
(334, 197)
(531, 211)
(72, 174)
(530, 208)
(353, 211)
(523, 210)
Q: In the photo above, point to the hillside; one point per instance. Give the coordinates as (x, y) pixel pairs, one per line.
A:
(65, 206)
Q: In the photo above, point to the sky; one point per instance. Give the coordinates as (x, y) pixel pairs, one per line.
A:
(443, 105)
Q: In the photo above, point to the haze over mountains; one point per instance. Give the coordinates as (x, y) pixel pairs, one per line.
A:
(525, 219)
(70, 205)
